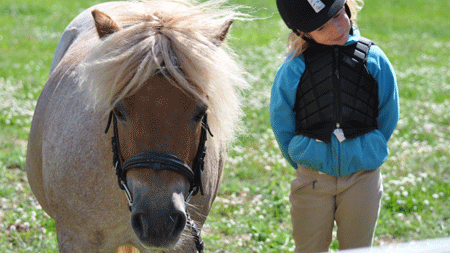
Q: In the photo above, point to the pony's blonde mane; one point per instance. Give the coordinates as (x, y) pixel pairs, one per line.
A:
(179, 40)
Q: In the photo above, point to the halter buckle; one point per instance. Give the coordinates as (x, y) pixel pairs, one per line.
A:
(191, 193)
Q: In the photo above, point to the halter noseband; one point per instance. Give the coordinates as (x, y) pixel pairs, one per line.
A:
(162, 161)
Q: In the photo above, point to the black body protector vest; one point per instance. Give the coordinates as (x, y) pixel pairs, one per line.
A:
(336, 93)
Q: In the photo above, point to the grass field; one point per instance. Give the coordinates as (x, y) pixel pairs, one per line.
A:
(251, 213)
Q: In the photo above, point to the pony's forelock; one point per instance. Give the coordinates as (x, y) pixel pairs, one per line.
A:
(179, 42)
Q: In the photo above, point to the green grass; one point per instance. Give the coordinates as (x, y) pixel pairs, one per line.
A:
(251, 213)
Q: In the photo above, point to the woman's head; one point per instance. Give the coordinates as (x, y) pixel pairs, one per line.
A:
(326, 22)
(334, 32)
(308, 15)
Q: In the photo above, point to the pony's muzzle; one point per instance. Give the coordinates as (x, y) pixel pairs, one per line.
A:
(158, 212)
(158, 228)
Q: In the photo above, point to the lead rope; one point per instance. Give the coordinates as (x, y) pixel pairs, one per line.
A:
(196, 233)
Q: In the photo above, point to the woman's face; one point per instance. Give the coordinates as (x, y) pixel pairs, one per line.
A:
(334, 32)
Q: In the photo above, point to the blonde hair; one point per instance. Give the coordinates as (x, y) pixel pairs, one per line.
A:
(178, 37)
(296, 45)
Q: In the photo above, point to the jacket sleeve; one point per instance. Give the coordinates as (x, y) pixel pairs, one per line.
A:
(382, 70)
(283, 94)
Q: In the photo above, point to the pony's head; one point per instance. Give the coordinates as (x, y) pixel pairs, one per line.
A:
(161, 67)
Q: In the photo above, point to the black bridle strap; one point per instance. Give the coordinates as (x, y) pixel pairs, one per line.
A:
(158, 161)
(199, 161)
(117, 156)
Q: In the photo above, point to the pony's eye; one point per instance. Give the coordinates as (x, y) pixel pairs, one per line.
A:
(200, 116)
(200, 111)
(119, 112)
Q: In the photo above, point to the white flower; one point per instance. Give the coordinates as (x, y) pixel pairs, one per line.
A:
(26, 225)
(12, 228)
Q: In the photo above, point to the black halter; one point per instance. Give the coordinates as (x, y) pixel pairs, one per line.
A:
(162, 161)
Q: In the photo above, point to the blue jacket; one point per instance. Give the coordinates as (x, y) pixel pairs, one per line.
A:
(366, 152)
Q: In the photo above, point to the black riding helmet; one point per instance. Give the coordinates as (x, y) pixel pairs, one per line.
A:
(308, 15)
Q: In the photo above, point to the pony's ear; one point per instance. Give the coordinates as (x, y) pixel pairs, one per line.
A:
(222, 32)
(104, 23)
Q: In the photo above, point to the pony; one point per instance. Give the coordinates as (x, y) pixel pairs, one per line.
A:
(160, 75)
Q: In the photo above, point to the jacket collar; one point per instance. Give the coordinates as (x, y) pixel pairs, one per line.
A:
(353, 38)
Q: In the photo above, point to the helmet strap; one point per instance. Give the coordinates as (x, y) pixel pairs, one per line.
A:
(347, 10)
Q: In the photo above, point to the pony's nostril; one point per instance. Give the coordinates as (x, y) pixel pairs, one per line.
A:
(179, 221)
(137, 223)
